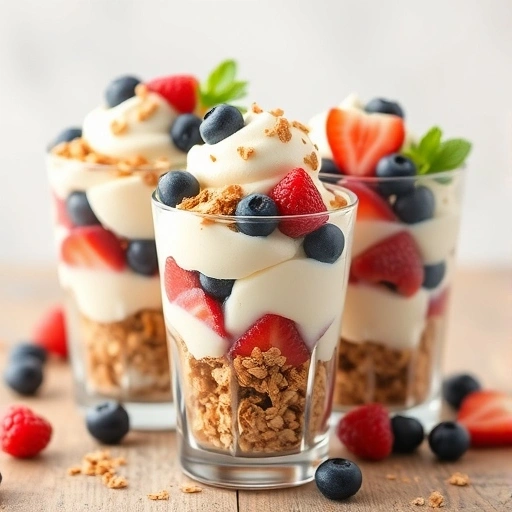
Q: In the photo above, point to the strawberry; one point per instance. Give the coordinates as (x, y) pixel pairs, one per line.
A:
(437, 305)
(178, 280)
(180, 91)
(359, 140)
(395, 260)
(366, 432)
(273, 331)
(296, 194)
(23, 433)
(50, 332)
(204, 308)
(488, 417)
(61, 214)
(93, 247)
(370, 206)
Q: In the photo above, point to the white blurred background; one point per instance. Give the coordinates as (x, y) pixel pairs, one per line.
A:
(448, 62)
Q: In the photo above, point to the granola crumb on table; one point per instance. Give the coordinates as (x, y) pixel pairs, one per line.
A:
(101, 463)
(459, 479)
(159, 496)
(419, 502)
(190, 488)
(435, 500)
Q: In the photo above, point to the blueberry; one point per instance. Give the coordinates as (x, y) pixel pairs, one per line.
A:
(325, 244)
(174, 186)
(434, 274)
(257, 205)
(457, 387)
(141, 257)
(66, 135)
(121, 89)
(449, 440)
(408, 434)
(23, 350)
(416, 206)
(329, 167)
(338, 479)
(384, 107)
(395, 166)
(218, 288)
(220, 122)
(185, 132)
(79, 210)
(24, 376)
(108, 422)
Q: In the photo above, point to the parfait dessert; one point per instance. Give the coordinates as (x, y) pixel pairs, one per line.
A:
(253, 247)
(403, 253)
(102, 176)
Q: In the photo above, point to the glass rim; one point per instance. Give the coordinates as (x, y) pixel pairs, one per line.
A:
(255, 218)
(377, 179)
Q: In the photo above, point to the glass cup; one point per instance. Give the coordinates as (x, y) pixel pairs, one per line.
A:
(253, 369)
(108, 270)
(394, 321)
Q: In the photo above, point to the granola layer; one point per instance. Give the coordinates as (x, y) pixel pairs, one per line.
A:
(373, 372)
(128, 359)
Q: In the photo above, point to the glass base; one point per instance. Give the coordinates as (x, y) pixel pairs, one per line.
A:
(252, 473)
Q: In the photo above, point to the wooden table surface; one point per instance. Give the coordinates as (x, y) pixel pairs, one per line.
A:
(480, 340)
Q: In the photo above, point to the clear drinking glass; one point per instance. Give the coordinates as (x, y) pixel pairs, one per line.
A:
(107, 267)
(394, 321)
(253, 373)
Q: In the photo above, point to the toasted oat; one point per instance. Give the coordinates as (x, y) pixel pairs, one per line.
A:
(214, 202)
(419, 502)
(101, 463)
(118, 126)
(256, 108)
(300, 126)
(277, 112)
(244, 152)
(159, 496)
(113, 481)
(281, 129)
(191, 488)
(74, 470)
(338, 202)
(150, 178)
(213, 158)
(391, 476)
(311, 160)
(460, 479)
(146, 110)
(435, 500)
(141, 90)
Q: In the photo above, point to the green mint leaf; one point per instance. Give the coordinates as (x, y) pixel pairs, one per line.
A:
(450, 155)
(222, 76)
(429, 143)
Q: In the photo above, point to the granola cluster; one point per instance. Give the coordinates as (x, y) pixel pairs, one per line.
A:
(255, 404)
(370, 371)
(128, 359)
(214, 202)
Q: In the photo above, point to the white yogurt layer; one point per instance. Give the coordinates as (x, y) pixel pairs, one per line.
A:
(106, 297)
(376, 314)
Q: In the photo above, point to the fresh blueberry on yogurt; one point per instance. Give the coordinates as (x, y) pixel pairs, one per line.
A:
(220, 122)
(120, 89)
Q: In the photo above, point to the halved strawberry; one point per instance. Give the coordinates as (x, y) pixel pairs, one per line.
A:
(488, 417)
(61, 214)
(178, 280)
(93, 247)
(359, 140)
(296, 194)
(371, 206)
(50, 332)
(204, 308)
(437, 305)
(180, 91)
(273, 331)
(395, 260)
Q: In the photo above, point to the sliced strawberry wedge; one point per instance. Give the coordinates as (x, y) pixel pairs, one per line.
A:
(488, 417)
(273, 331)
(61, 214)
(180, 91)
(371, 206)
(438, 304)
(395, 260)
(178, 280)
(93, 247)
(204, 308)
(359, 140)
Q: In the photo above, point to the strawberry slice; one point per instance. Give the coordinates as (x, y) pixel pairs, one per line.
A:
(488, 417)
(273, 331)
(395, 260)
(359, 140)
(296, 194)
(178, 280)
(180, 91)
(437, 305)
(61, 213)
(93, 247)
(50, 332)
(204, 308)
(371, 206)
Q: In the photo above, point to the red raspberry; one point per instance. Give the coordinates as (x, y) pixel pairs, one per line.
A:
(296, 194)
(366, 432)
(23, 434)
